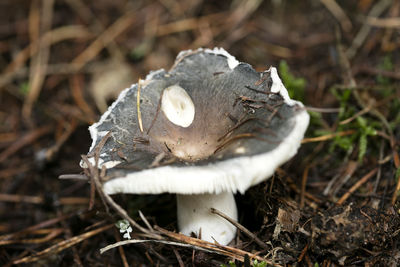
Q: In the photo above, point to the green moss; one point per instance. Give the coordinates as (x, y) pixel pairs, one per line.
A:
(364, 127)
(386, 64)
(255, 263)
(24, 88)
(294, 85)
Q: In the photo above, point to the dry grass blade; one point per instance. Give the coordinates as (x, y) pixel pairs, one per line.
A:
(327, 137)
(73, 176)
(339, 14)
(385, 23)
(224, 250)
(68, 234)
(95, 176)
(323, 110)
(396, 191)
(363, 33)
(7, 137)
(125, 215)
(303, 186)
(243, 10)
(57, 248)
(37, 226)
(187, 24)
(21, 198)
(241, 228)
(356, 186)
(105, 38)
(166, 242)
(41, 200)
(236, 126)
(155, 116)
(344, 173)
(374, 71)
(358, 114)
(86, 14)
(24, 141)
(178, 258)
(139, 114)
(77, 85)
(50, 234)
(49, 38)
(230, 140)
(303, 253)
(121, 249)
(293, 186)
(39, 61)
(69, 130)
(146, 222)
(12, 171)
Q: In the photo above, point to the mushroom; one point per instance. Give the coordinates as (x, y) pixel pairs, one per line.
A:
(206, 129)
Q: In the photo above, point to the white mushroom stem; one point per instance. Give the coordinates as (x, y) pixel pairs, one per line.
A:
(194, 216)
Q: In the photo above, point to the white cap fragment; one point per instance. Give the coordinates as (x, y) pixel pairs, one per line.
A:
(177, 106)
(278, 87)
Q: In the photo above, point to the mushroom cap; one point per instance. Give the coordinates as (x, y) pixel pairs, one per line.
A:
(233, 127)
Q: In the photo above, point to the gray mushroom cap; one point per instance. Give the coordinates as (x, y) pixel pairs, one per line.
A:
(242, 127)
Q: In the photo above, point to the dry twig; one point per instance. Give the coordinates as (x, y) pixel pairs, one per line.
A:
(363, 33)
(339, 14)
(105, 38)
(39, 61)
(360, 182)
(385, 23)
(57, 248)
(139, 114)
(241, 228)
(24, 141)
(216, 248)
(327, 137)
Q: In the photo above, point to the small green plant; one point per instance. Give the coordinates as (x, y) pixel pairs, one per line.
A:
(124, 227)
(386, 64)
(294, 85)
(259, 264)
(24, 88)
(141, 50)
(230, 264)
(255, 263)
(363, 128)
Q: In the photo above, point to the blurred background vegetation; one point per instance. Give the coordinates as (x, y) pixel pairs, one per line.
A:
(62, 62)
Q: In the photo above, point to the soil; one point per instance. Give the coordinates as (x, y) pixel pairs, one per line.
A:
(334, 204)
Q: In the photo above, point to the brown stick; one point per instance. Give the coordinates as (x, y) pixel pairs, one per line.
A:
(40, 199)
(241, 228)
(303, 186)
(50, 234)
(37, 226)
(327, 137)
(24, 141)
(356, 186)
(57, 248)
(39, 61)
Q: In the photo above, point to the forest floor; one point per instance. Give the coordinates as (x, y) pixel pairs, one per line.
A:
(335, 203)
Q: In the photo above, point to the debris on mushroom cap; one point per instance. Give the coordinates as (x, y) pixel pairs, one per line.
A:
(242, 125)
(177, 106)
